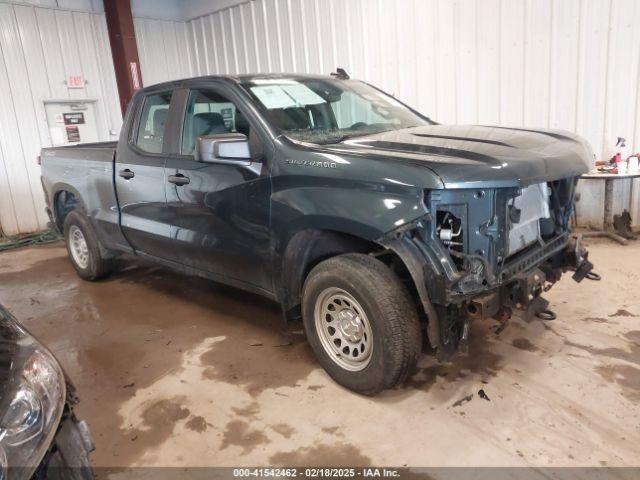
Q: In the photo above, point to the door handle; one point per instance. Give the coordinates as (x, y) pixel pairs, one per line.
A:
(126, 174)
(178, 179)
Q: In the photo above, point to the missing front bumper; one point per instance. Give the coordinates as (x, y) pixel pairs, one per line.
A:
(518, 285)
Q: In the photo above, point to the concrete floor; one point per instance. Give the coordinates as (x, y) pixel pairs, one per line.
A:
(180, 371)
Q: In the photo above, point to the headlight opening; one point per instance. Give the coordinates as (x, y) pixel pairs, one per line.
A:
(449, 230)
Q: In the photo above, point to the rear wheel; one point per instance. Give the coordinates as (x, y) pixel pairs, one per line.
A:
(85, 253)
(361, 323)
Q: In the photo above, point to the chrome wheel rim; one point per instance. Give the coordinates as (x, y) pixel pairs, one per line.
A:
(78, 247)
(344, 329)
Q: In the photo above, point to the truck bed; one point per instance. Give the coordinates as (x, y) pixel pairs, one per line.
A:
(111, 145)
(85, 171)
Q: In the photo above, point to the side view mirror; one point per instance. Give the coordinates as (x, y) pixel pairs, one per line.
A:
(228, 148)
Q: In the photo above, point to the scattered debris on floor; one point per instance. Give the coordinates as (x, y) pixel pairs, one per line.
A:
(622, 225)
(622, 313)
(481, 393)
(19, 241)
(501, 327)
(463, 400)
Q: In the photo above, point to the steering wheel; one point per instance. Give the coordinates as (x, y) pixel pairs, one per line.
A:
(358, 126)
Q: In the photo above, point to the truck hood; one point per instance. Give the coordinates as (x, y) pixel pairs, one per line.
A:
(469, 156)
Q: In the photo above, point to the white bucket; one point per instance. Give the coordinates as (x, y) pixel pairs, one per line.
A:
(622, 168)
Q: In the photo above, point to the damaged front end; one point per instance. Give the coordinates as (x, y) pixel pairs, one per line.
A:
(482, 253)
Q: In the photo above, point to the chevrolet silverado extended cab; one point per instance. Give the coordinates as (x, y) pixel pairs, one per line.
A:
(379, 227)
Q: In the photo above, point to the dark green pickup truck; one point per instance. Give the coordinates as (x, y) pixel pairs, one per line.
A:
(379, 227)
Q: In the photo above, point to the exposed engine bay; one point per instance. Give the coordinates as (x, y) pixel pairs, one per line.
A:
(492, 251)
(525, 214)
(518, 249)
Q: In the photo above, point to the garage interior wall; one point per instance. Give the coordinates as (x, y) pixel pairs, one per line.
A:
(39, 48)
(563, 64)
(567, 64)
(164, 50)
(41, 44)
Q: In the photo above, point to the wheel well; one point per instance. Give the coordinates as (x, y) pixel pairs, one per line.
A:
(392, 260)
(308, 248)
(63, 203)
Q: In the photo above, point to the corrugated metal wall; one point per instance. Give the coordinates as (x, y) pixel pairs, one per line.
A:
(570, 64)
(567, 64)
(39, 48)
(164, 50)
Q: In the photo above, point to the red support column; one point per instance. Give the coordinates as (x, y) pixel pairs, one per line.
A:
(124, 49)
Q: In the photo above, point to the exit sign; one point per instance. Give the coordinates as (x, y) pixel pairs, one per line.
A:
(75, 81)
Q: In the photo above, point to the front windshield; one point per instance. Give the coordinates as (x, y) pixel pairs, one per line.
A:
(325, 111)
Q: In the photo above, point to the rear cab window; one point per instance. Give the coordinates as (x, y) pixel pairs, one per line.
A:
(153, 120)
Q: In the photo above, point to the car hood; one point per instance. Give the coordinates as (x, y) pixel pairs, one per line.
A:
(469, 156)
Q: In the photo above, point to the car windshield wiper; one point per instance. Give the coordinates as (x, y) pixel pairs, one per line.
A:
(342, 138)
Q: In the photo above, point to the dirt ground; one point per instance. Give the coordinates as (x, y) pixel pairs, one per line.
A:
(180, 371)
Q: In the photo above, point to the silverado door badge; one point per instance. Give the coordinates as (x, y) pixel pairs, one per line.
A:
(311, 163)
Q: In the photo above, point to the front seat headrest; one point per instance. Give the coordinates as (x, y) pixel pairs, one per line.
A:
(208, 123)
(293, 118)
(242, 124)
(159, 120)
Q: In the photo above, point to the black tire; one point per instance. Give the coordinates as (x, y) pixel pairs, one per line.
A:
(99, 264)
(390, 311)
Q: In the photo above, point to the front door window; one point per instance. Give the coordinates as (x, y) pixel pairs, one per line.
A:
(210, 113)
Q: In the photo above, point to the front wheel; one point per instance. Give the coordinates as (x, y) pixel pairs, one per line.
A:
(361, 323)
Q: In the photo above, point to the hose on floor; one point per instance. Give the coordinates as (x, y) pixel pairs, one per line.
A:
(38, 238)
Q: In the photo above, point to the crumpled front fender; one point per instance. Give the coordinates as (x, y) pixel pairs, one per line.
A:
(402, 244)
